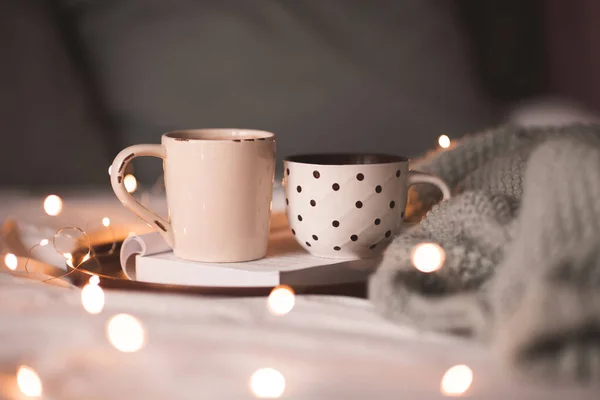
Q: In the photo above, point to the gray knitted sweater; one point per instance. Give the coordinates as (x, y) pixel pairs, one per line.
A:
(522, 243)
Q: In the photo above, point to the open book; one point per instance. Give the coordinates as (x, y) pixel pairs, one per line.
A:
(147, 258)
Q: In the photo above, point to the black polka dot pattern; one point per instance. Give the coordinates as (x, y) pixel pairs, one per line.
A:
(335, 187)
(402, 214)
(354, 238)
(299, 217)
(371, 247)
(287, 201)
(398, 174)
(337, 248)
(293, 232)
(358, 204)
(378, 189)
(388, 233)
(377, 221)
(313, 203)
(392, 204)
(298, 188)
(315, 237)
(308, 244)
(287, 170)
(360, 177)
(316, 174)
(335, 223)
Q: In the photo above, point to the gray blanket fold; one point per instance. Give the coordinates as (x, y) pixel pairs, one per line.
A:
(522, 243)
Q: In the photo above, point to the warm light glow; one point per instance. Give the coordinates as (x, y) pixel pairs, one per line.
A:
(44, 242)
(68, 259)
(125, 333)
(11, 261)
(29, 381)
(94, 280)
(267, 383)
(457, 380)
(428, 257)
(85, 258)
(106, 221)
(281, 300)
(53, 205)
(444, 141)
(130, 183)
(92, 298)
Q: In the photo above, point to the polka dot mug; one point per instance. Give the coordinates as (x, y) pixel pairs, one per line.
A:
(349, 205)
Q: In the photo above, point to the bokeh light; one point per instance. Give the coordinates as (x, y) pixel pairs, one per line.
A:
(125, 333)
(444, 141)
(267, 383)
(44, 242)
(92, 298)
(29, 382)
(94, 280)
(53, 205)
(106, 221)
(130, 183)
(11, 261)
(457, 380)
(428, 257)
(281, 300)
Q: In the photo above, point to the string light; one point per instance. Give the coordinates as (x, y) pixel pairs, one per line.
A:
(125, 333)
(130, 183)
(29, 381)
(11, 261)
(281, 300)
(267, 383)
(106, 222)
(94, 280)
(92, 298)
(444, 141)
(457, 380)
(53, 205)
(44, 242)
(428, 257)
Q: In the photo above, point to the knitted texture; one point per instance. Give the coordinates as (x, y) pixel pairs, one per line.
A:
(521, 237)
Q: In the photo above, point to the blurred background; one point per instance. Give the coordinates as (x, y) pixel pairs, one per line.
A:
(81, 79)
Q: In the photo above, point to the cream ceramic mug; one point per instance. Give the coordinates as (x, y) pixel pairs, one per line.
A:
(219, 187)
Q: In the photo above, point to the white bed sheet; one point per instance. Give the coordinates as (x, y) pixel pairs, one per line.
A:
(197, 347)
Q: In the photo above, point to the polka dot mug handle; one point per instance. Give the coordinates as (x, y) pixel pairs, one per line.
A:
(117, 181)
(422, 177)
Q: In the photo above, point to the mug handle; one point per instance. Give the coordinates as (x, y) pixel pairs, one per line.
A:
(117, 180)
(422, 177)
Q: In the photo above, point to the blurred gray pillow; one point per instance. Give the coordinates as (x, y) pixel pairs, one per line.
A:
(335, 75)
(51, 132)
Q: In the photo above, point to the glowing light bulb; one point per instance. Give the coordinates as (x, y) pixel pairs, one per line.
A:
(53, 205)
(130, 183)
(29, 381)
(44, 242)
(92, 298)
(457, 380)
(94, 280)
(11, 261)
(125, 333)
(428, 257)
(444, 141)
(267, 383)
(106, 221)
(281, 300)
